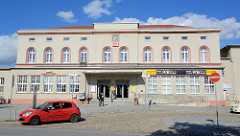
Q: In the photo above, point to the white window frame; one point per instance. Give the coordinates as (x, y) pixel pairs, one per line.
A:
(22, 84)
(123, 55)
(166, 83)
(31, 57)
(203, 54)
(184, 55)
(208, 85)
(152, 85)
(166, 55)
(181, 84)
(148, 57)
(84, 55)
(49, 56)
(75, 85)
(107, 55)
(61, 84)
(66, 56)
(35, 81)
(1, 85)
(195, 84)
(48, 84)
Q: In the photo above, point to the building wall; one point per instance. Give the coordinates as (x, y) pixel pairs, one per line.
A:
(235, 57)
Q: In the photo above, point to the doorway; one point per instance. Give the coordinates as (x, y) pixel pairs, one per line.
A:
(122, 89)
(103, 87)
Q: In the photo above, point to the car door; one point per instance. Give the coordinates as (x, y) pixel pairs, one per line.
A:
(52, 112)
(67, 110)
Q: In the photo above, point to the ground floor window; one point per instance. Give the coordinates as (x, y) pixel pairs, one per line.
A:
(180, 85)
(61, 84)
(194, 85)
(22, 83)
(166, 85)
(74, 86)
(35, 83)
(48, 83)
(208, 85)
(152, 84)
(1, 84)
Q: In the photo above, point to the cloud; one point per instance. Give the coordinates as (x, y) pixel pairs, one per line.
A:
(97, 8)
(8, 46)
(67, 16)
(229, 26)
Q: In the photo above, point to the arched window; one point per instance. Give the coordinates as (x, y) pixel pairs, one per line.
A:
(49, 55)
(107, 55)
(184, 55)
(66, 55)
(123, 55)
(148, 55)
(203, 55)
(84, 55)
(31, 56)
(166, 55)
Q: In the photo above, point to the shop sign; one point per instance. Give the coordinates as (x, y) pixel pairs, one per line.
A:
(195, 72)
(151, 72)
(166, 72)
(133, 89)
(181, 72)
(48, 73)
(209, 72)
(113, 88)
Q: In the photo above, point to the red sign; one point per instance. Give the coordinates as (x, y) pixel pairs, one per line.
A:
(115, 44)
(214, 77)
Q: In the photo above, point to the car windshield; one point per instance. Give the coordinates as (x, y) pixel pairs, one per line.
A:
(41, 105)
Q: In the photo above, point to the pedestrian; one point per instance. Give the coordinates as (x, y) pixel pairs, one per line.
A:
(100, 99)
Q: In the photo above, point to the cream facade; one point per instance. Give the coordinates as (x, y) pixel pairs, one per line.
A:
(111, 58)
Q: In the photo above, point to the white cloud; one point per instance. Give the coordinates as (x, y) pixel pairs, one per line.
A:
(67, 16)
(229, 26)
(8, 49)
(97, 8)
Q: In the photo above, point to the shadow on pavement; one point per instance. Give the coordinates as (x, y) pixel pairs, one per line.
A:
(188, 129)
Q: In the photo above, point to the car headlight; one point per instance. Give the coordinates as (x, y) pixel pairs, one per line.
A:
(26, 114)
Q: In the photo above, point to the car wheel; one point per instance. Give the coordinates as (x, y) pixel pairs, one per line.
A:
(74, 118)
(35, 120)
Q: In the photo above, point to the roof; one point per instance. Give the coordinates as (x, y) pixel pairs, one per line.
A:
(74, 27)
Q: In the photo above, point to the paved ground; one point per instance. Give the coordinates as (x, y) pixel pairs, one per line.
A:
(136, 119)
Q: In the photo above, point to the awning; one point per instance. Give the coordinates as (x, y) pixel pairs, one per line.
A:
(112, 72)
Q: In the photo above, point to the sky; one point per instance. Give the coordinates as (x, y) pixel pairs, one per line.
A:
(42, 14)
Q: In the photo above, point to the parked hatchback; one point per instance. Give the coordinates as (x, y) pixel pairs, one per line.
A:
(235, 108)
(51, 111)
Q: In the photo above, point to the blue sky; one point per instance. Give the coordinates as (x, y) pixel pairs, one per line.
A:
(41, 14)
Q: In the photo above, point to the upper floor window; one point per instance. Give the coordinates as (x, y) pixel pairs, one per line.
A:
(184, 55)
(165, 37)
(123, 55)
(48, 39)
(148, 55)
(31, 56)
(184, 37)
(166, 55)
(49, 56)
(66, 39)
(203, 55)
(203, 37)
(66, 55)
(84, 38)
(84, 55)
(1, 84)
(31, 39)
(107, 55)
(147, 37)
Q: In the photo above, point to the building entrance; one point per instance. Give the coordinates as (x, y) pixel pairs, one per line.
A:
(104, 87)
(122, 90)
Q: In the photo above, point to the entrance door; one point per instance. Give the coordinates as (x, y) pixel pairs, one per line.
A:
(122, 90)
(104, 87)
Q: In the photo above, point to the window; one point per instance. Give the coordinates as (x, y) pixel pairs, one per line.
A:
(48, 39)
(152, 84)
(54, 106)
(147, 55)
(84, 38)
(107, 55)
(180, 85)
(165, 37)
(208, 85)
(35, 83)
(1, 84)
(84, 55)
(184, 37)
(184, 55)
(194, 85)
(147, 38)
(166, 55)
(66, 39)
(66, 105)
(22, 84)
(48, 84)
(49, 56)
(74, 85)
(203, 37)
(66, 56)
(31, 56)
(123, 55)
(61, 84)
(203, 53)
(31, 39)
(166, 85)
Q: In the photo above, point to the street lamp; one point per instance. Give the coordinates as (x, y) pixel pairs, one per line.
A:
(145, 80)
(73, 78)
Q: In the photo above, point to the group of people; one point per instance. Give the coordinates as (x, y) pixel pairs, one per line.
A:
(101, 99)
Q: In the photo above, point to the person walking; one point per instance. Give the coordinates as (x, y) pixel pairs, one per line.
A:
(100, 99)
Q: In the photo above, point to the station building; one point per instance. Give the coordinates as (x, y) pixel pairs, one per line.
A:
(161, 63)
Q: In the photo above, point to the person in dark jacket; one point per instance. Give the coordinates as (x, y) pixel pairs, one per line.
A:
(100, 99)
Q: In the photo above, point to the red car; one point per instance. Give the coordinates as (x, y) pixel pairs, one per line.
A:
(51, 111)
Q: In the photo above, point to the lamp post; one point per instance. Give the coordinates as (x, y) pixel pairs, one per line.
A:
(73, 78)
(145, 80)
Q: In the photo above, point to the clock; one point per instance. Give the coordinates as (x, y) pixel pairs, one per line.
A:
(115, 38)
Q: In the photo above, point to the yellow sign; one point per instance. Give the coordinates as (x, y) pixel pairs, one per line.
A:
(74, 96)
(151, 72)
(133, 89)
(209, 72)
(113, 88)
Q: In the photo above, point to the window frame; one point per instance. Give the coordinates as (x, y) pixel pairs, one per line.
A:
(107, 55)
(147, 55)
(22, 86)
(203, 55)
(31, 55)
(83, 55)
(49, 55)
(166, 54)
(1, 84)
(195, 84)
(76, 83)
(208, 85)
(152, 84)
(124, 55)
(185, 55)
(181, 85)
(48, 84)
(166, 79)
(35, 83)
